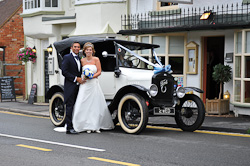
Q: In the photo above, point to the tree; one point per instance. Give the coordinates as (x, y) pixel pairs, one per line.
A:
(222, 74)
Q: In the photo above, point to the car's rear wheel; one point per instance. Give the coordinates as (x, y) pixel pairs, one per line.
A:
(57, 111)
(133, 113)
(190, 114)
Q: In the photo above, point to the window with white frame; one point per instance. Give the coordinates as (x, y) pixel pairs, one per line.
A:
(160, 40)
(176, 45)
(171, 51)
(78, 2)
(167, 6)
(31, 4)
(51, 3)
(35, 5)
(242, 67)
(239, 42)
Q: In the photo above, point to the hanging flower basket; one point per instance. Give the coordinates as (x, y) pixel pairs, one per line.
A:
(26, 54)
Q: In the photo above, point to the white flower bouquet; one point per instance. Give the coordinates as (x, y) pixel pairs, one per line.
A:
(87, 73)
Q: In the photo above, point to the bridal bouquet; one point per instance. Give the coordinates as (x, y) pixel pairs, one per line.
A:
(88, 73)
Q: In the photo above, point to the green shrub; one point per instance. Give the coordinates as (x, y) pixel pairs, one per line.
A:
(222, 74)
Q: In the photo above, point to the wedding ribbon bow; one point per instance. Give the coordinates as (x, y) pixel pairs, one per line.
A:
(162, 69)
(157, 67)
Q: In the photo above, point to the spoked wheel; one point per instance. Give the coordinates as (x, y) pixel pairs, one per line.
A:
(133, 113)
(190, 114)
(57, 111)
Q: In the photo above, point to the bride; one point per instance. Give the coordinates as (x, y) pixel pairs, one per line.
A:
(90, 111)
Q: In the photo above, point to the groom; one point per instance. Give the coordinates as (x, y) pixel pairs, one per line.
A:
(71, 70)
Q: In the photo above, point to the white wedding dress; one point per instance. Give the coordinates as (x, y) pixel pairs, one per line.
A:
(90, 110)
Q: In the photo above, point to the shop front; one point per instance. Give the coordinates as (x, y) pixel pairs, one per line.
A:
(193, 46)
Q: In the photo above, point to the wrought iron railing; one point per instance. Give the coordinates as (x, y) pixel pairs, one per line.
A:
(226, 15)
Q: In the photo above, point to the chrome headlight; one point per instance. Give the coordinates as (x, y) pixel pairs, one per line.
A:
(153, 90)
(180, 91)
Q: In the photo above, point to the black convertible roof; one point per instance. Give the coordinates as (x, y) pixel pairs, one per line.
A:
(65, 44)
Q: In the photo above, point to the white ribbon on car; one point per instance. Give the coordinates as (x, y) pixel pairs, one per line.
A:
(157, 67)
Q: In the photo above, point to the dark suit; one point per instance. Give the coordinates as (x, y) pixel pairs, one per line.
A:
(70, 71)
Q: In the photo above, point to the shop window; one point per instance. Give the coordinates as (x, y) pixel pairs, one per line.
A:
(247, 92)
(242, 68)
(162, 59)
(160, 40)
(247, 42)
(237, 90)
(176, 45)
(176, 64)
(239, 42)
(247, 67)
(237, 67)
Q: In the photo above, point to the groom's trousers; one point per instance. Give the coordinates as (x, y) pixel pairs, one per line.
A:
(69, 108)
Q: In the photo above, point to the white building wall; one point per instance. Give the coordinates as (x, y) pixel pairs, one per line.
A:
(93, 18)
(142, 6)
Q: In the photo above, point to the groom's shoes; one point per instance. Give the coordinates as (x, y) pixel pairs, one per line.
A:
(71, 131)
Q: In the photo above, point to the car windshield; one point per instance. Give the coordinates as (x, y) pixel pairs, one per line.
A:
(128, 60)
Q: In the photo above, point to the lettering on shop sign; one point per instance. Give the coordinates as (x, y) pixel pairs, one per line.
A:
(7, 88)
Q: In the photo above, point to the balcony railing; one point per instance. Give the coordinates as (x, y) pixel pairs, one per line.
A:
(224, 16)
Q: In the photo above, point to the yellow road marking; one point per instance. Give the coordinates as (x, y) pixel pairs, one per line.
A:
(202, 131)
(223, 133)
(33, 147)
(163, 128)
(112, 161)
(20, 114)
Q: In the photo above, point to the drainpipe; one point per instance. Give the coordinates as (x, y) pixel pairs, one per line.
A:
(128, 11)
(3, 47)
(128, 4)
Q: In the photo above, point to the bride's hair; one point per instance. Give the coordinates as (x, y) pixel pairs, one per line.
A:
(86, 45)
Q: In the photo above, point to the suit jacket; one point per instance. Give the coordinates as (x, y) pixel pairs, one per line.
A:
(70, 71)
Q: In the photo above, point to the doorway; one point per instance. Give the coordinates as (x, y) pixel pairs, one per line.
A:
(213, 55)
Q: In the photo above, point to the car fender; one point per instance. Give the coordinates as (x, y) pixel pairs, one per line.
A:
(52, 90)
(138, 89)
(188, 89)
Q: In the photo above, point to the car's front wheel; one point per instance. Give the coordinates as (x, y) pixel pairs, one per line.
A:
(190, 114)
(57, 111)
(133, 113)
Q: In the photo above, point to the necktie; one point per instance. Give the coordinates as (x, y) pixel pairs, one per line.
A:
(77, 58)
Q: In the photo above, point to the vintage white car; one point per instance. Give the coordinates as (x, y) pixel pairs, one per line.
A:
(134, 87)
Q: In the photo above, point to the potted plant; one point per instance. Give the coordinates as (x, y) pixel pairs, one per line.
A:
(221, 74)
(26, 54)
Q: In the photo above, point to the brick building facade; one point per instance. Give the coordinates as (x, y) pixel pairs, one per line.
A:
(11, 40)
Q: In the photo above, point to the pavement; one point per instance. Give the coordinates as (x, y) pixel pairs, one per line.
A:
(222, 123)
